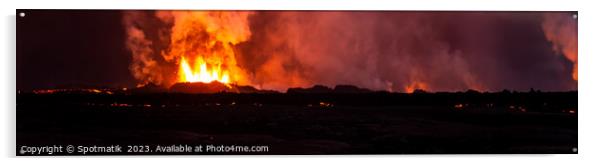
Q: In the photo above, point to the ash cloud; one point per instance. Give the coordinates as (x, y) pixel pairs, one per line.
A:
(402, 51)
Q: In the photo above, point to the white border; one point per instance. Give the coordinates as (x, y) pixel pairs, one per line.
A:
(589, 83)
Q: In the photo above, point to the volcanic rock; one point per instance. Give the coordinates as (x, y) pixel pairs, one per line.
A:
(200, 87)
(349, 89)
(149, 88)
(314, 89)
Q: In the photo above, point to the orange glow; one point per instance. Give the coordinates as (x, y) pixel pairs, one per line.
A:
(459, 106)
(326, 104)
(203, 45)
(202, 72)
(415, 85)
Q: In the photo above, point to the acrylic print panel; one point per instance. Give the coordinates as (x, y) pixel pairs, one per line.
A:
(130, 82)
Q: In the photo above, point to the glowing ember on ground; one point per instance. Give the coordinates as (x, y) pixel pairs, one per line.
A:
(458, 106)
(326, 104)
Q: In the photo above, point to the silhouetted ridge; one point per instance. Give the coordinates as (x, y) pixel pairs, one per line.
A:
(314, 89)
(200, 87)
(419, 91)
(350, 89)
(149, 88)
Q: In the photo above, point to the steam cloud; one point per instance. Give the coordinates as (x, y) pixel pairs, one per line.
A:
(395, 51)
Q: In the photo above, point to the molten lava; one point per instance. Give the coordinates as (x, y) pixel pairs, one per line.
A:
(202, 72)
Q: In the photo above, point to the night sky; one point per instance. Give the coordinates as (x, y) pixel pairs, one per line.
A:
(377, 50)
(64, 48)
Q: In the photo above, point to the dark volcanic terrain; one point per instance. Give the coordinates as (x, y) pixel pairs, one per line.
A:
(347, 121)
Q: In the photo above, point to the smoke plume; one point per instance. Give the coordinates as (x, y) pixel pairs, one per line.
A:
(394, 51)
(561, 29)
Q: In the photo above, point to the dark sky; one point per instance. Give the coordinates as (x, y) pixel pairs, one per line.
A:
(58, 48)
(79, 48)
